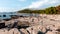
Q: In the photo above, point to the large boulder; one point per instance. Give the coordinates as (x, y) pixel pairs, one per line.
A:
(23, 31)
(4, 31)
(36, 29)
(50, 32)
(14, 31)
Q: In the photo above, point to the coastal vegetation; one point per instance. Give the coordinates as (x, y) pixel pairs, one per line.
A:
(49, 10)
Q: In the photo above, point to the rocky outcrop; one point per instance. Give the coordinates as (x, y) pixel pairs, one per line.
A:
(44, 24)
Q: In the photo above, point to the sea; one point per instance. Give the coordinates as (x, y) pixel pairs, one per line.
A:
(2, 14)
(6, 15)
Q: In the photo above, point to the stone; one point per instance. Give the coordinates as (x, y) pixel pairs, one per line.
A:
(23, 31)
(35, 29)
(14, 31)
(50, 32)
(3, 31)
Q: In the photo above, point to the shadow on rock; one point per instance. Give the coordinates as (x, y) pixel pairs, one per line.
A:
(39, 32)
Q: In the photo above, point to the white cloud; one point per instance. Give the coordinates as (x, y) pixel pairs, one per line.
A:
(36, 4)
(40, 3)
(3, 9)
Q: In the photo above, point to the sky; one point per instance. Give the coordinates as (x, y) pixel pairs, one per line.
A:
(15, 5)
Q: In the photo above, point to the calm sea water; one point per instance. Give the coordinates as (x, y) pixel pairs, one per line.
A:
(5, 13)
(14, 13)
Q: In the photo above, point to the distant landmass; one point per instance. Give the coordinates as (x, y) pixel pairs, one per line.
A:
(49, 10)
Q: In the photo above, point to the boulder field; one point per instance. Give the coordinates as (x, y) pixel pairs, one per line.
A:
(43, 24)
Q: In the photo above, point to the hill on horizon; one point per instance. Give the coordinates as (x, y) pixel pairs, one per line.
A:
(49, 10)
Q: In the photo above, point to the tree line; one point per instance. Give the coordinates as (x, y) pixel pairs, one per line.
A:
(49, 10)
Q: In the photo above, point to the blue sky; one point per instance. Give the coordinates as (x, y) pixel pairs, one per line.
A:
(15, 5)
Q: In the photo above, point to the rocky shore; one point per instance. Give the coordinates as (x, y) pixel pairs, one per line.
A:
(43, 24)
